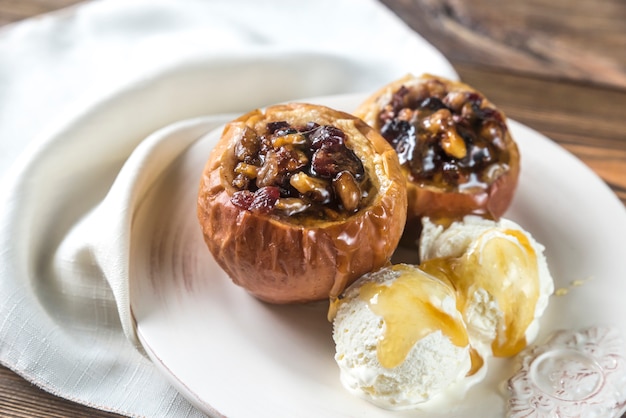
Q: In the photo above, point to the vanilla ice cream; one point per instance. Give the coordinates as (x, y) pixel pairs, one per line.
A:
(400, 340)
(414, 336)
(501, 276)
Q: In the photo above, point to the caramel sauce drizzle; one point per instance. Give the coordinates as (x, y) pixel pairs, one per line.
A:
(412, 305)
(412, 308)
(507, 269)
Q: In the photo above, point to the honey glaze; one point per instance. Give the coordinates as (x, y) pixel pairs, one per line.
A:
(504, 264)
(412, 307)
(477, 362)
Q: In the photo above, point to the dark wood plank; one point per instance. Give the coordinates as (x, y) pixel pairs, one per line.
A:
(20, 399)
(15, 10)
(583, 40)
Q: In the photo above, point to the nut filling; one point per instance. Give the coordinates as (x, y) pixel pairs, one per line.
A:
(303, 172)
(453, 139)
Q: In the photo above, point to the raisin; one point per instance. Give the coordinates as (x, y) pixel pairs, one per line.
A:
(450, 172)
(430, 161)
(327, 162)
(280, 128)
(402, 137)
(398, 99)
(488, 114)
(394, 129)
(478, 156)
(432, 103)
(327, 136)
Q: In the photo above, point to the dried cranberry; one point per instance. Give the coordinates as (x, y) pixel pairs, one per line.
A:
(474, 99)
(264, 199)
(488, 114)
(242, 199)
(398, 98)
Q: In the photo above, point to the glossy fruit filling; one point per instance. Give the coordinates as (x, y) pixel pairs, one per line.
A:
(298, 171)
(452, 139)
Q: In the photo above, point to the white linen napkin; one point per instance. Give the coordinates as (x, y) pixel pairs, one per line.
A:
(79, 92)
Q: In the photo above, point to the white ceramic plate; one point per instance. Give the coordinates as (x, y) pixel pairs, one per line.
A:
(234, 356)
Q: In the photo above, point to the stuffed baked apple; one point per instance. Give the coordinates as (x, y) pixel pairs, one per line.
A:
(454, 146)
(299, 200)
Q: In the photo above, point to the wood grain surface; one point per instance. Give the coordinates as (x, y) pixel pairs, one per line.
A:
(579, 40)
(558, 66)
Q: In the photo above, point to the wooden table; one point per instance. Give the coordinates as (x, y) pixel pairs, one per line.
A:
(558, 66)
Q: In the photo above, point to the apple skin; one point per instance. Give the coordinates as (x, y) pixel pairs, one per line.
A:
(280, 261)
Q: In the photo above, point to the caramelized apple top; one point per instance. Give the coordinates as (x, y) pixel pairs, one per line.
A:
(445, 135)
(298, 171)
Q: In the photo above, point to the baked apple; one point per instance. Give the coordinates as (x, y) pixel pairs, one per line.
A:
(299, 200)
(454, 146)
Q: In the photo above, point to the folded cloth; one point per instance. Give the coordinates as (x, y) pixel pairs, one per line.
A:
(79, 91)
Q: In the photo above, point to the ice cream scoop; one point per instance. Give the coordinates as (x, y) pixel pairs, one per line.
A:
(410, 336)
(500, 275)
(400, 340)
